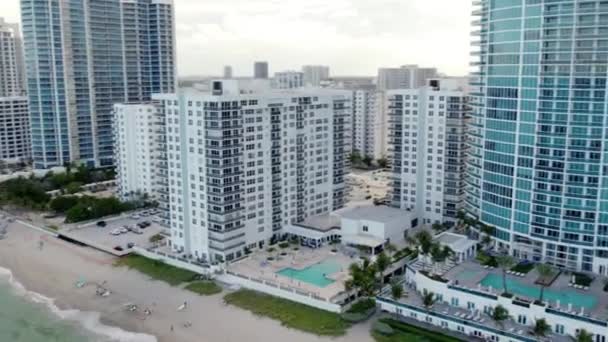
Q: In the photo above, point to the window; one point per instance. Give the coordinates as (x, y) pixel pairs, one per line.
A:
(365, 228)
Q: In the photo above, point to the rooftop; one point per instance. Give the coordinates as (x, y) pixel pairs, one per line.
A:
(377, 213)
(456, 242)
(321, 222)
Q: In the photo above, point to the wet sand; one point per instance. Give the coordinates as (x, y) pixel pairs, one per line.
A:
(54, 270)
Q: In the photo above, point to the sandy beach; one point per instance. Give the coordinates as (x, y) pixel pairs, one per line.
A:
(54, 270)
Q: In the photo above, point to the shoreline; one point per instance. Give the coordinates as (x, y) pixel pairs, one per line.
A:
(53, 271)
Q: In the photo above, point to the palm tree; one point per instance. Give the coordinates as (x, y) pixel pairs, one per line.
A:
(541, 328)
(499, 315)
(396, 291)
(440, 254)
(362, 278)
(391, 249)
(428, 299)
(505, 262)
(382, 263)
(424, 240)
(545, 272)
(584, 336)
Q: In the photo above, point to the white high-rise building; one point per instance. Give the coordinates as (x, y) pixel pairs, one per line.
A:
(405, 77)
(136, 137)
(369, 124)
(228, 71)
(12, 73)
(15, 137)
(245, 161)
(428, 145)
(314, 74)
(288, 80)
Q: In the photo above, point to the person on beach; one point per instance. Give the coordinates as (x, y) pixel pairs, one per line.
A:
(40, 244)
(171, 327)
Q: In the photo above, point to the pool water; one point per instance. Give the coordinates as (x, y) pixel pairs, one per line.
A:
(314, 274)
(533, 292)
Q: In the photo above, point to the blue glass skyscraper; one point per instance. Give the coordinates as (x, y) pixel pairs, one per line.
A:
(538, 149)
(82, 56)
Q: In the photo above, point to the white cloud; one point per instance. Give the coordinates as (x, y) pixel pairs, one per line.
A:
(352, 36)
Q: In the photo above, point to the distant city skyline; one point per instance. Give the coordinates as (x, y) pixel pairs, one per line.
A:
(353, 37)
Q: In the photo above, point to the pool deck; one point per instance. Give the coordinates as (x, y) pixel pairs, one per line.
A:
(259, 267)
(469, 274)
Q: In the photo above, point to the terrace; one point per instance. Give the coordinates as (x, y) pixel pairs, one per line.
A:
(561, 296)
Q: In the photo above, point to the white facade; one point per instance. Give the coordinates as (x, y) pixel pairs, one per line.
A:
(314, 74)
(563, 324)
(244, 161)
(405, 77)
(228, 71)
(428, 151)
(136, 149)
(370, 123)
(288, 80)
(15, 139)
(374, 224)
(12, 73)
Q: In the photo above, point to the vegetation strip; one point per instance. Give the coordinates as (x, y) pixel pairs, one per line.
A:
(290, 314)
(406, 332)
(157, 270)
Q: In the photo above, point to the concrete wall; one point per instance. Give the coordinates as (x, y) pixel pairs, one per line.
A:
(177, 263)
(287, 293)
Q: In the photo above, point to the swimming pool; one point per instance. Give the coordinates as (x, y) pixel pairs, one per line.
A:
(314, 274)
(533, 292)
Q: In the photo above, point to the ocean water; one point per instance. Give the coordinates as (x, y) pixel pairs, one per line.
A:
(31, 317)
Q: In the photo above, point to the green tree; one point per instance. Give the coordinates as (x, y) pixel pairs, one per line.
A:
(61, 204)
(545, 272)
(73, 187)
(355, 157)
(367, 160)
(424, 240)
(499, 315)
(362, 278)
(396, 291)
(437, 227)
(440, 254)
(382, 263)
(382, 162)
(584, 336)
(505, 262)
(541, 328)
(391, 249)
(428, 299)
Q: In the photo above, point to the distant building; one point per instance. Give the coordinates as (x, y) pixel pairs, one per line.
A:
(244, 161)
(12, 72)
(428, 145)
(260, 70)
(82, 57)
(348, 82)
(228, 72)
(405, 77)
(15, 138)
(314, 74)
(136, 138)
(370, 123)
(288, 80)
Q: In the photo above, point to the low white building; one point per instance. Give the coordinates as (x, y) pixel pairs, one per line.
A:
(288, 80)
(374, 226)
(463, 247)
(136, 136)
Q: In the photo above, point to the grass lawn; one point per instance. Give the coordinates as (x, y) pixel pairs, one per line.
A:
(204, 288)
(410, 333)
(157, 269)
(290, 314)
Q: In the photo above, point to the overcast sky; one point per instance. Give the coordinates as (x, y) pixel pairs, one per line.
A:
(353, 37)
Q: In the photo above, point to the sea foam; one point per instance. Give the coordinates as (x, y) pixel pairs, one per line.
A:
(88, 320)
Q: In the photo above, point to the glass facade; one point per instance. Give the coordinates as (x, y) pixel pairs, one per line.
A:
(82, 57)
(537, 167)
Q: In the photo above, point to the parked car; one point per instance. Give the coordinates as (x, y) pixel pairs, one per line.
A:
(123, 230)
(118, 248)
(101, 224)
(130, 245)
(135, 217)
(145, 213)
(115, 232)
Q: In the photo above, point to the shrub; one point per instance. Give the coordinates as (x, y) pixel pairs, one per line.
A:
(61, 204)
(383, 328)
(270, 250)
(156, 238)
(284, 244)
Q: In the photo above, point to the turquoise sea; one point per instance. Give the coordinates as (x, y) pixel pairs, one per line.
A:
(31, 317)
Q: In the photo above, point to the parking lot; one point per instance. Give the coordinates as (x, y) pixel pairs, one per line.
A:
(118, 234)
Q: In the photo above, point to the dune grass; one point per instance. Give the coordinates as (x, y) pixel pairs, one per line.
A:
(204, 288)
(290, 314)
(157, 270)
